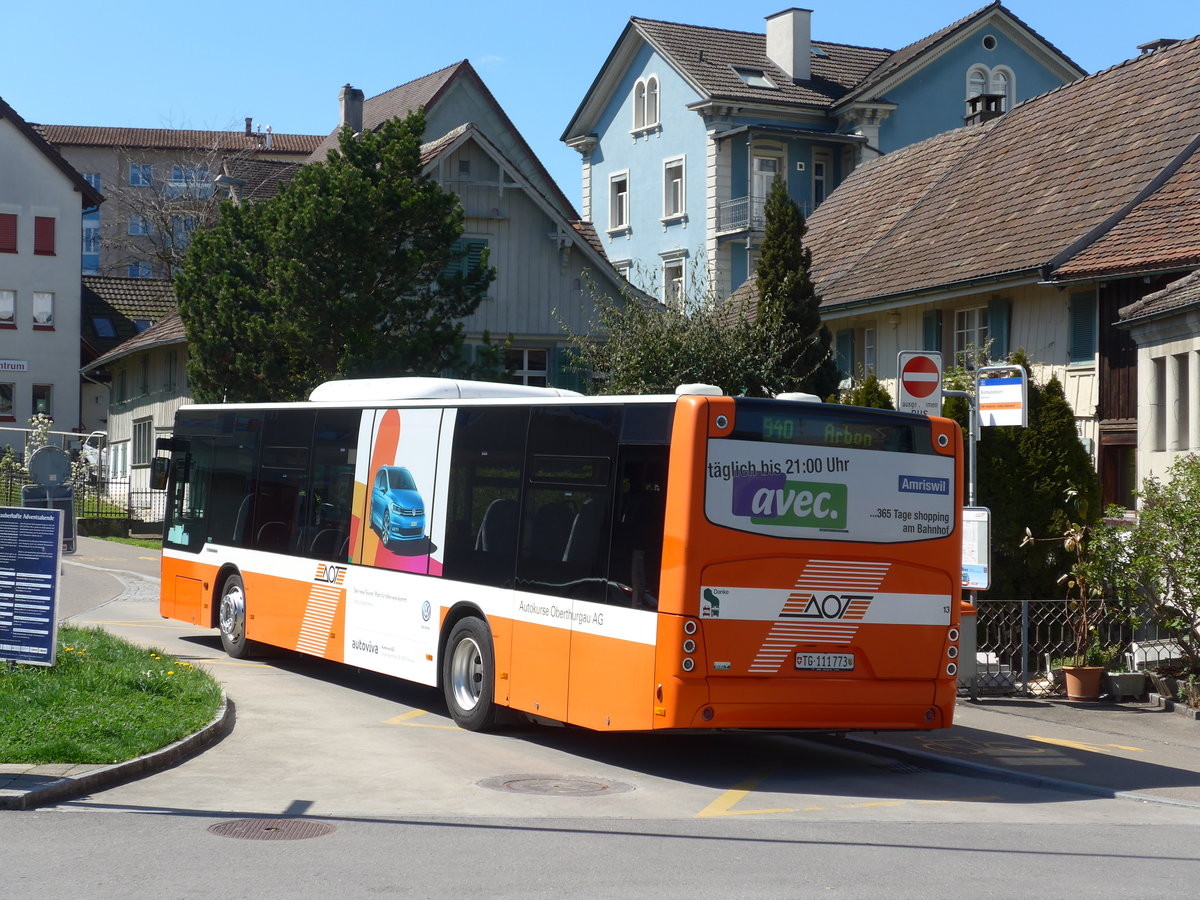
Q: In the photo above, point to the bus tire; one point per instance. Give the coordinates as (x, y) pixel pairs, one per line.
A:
(469, 675)
(231, 618)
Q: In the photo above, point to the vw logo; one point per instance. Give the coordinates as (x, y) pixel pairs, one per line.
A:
(426, 610)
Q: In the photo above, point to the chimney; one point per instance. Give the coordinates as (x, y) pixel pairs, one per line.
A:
(352, 108)
(789, 42)
(249, 130)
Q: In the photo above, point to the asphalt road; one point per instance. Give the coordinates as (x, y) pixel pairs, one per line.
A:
(406, 804)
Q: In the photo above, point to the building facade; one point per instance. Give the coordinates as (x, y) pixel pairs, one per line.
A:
(42, 200)
(685, 128)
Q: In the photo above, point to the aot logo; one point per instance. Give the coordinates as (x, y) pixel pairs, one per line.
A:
(330, 574)
(831, 606)
(773, 500)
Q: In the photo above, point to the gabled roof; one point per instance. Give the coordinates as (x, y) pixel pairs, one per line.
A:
(260, 178)
(917, 51)
(90, 196)
(1175, 297)
(582, 235)
(424, 93)
(841, 73)
(706, 56)
(165, 332)
(176, 139)
(1030, 191)
(122, 301)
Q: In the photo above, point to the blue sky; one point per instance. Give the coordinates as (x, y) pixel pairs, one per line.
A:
(75, 63)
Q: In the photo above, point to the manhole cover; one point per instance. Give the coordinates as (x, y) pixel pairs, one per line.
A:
(555, 785)
(271, 829)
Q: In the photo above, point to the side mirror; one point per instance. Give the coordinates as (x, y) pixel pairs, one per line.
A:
(160, 467)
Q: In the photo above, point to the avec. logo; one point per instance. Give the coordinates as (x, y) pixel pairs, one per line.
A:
(773, 500)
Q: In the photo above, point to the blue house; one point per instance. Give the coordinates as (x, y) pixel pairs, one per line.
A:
(685, 127)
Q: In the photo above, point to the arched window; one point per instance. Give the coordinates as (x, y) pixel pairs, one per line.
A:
(639, 105)
(977, 81)
(1002, 81)
(651, 101)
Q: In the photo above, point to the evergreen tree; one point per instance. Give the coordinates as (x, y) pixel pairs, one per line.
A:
(1024, 478)
(788, 307)
(353, 269)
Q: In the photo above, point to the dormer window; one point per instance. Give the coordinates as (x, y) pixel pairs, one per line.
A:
(645, 104)
(754, 77)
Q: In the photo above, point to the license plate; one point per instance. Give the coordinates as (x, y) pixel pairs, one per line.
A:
(825, 662)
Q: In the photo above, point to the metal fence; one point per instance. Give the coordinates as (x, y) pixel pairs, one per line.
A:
(1021, 645)
(101, 497)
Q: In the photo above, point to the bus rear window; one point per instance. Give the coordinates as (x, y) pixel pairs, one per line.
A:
(835, 427)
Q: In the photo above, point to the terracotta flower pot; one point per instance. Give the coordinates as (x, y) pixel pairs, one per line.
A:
(1083, 682)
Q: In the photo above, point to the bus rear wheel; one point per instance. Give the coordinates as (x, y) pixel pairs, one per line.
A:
(468, 675)
(231, 619)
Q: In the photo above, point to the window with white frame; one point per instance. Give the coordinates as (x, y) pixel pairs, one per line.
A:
(673, 282)
(645, 103)
(527, 365)
(8, 391)
(140, 270)
(139, 224)
(971, 336)
(43, 400)
(8, 309)
(999, 81)
(822, 163)
(43, 309)
(618, 201)
(142, 431)
(674, 205)
(192, 182)
(754, 77)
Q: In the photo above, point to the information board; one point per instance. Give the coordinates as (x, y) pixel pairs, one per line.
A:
(30, 556)
(977, 548)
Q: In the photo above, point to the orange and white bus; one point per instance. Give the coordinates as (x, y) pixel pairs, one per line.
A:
(620, 563)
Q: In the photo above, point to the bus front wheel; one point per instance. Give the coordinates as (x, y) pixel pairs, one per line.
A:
(232, 618)
(468, 675)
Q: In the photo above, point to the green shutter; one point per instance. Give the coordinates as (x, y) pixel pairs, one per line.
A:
(1082, 322)
(999, 314)
(931, 330)
(562, 372)
(844, 350)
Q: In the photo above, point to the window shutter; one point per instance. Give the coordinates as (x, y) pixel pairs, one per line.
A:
(8, 233)
(844, 351)
(999, 314)
(931, 330)
(43, 235)
(1082, 322)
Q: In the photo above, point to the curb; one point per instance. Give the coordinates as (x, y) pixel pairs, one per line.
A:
(108, 776)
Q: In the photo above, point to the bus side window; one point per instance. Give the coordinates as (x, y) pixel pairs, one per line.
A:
(484, 494)
(327, 524)
(636, 560)
(281, 491)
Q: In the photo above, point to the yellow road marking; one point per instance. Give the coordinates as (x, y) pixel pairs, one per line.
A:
(1080, 745)
(407, 719)
(724, 805)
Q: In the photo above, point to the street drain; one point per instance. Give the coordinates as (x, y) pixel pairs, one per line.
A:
(554, 785)
(271, 829)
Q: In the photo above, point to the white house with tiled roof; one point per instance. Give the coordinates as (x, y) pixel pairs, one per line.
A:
(685, 127)
(41, 205)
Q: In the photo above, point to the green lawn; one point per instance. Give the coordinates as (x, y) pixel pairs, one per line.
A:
(103, 701)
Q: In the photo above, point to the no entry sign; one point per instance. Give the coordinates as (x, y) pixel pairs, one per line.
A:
(920, 380)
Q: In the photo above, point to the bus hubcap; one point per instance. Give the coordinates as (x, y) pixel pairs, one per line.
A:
(466, 674)
(233, 614)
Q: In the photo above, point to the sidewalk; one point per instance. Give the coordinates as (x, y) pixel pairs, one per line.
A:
(1135, 750)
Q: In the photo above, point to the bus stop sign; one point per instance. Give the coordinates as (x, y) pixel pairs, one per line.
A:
(920, 380)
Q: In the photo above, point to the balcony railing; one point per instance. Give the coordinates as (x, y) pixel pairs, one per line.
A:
(746, 214)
